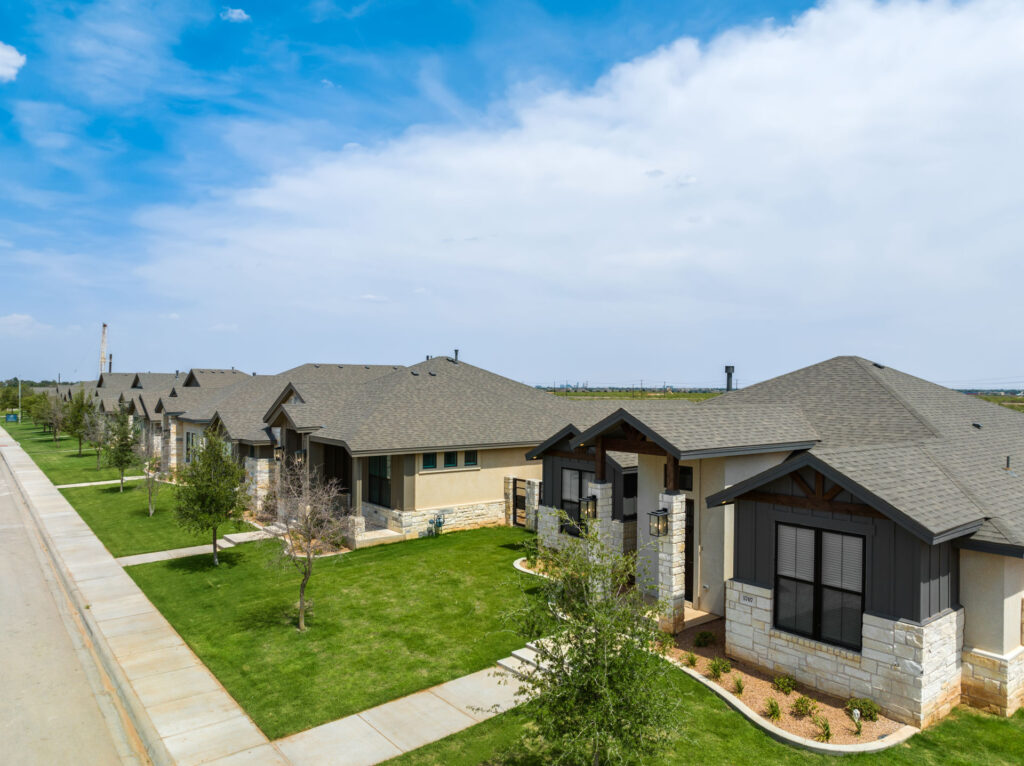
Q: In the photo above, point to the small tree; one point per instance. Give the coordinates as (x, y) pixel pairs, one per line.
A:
(56, 414)
(600, 662)
(121, 440)
(211, 489)
(150, 468)
(95, 432)
(311, 511)
(78, 416)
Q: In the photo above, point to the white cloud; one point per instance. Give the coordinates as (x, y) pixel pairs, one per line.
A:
(234, 15)
(171, 316)
(21, 326)
(852, 178)
(10, 62)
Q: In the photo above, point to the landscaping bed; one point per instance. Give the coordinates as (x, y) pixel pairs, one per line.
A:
(385, 621)
(759, 688)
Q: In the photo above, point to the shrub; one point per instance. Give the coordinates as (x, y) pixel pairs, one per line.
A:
(704, 638)
(824, 728)
(691, 659)
(737, 685)
(719, 666)
(868, 709)
(772, 709)
(784, 683)
(803, 707)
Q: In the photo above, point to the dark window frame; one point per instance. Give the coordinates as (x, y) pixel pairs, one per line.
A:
(454, 461)
(818, 586)
(433, 461)
(685, 483)
(470, 462)
(379, 484)
(575, 526)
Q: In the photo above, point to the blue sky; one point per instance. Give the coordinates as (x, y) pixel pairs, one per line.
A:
(602, 191)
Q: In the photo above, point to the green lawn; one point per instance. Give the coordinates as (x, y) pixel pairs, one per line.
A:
(121, 519)
(60, 460)
(387, 621)
(707, 731)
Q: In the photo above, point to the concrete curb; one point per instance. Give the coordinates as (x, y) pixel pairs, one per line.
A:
(781, 735)
(520, 565)
(144, 727)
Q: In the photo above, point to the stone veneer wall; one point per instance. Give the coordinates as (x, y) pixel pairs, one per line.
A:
(260, 471)
(416, 523)
(912, 671)
(994, 682)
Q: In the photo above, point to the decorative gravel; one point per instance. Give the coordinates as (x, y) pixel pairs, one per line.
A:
(757, 689)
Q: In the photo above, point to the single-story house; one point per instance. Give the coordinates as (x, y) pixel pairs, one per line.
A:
(858, 528)
(441, 437)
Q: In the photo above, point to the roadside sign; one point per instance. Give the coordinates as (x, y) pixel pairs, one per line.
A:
(12, 417)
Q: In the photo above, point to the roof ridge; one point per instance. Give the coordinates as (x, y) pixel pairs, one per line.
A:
(934, 459)
(869, 367)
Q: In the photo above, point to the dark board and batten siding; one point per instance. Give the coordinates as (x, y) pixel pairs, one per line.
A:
(904, 578)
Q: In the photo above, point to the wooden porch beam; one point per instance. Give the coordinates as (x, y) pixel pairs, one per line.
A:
(634, 446)
(599, 470)
(672, 471)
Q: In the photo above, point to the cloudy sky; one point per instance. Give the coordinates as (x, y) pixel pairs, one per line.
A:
(587, 191)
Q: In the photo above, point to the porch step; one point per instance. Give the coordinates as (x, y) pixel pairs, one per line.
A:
(528, 656)
(245, 537)
(516, 666)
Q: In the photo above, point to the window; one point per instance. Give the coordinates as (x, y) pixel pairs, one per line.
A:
(429, 460)
(574, 486)
(629, 484)
(685, 483)
(451, 459)
(190, 445)
(379, 489)
(819, 584)
(470, 457)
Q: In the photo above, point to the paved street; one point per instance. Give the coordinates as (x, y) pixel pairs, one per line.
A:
(48, 712)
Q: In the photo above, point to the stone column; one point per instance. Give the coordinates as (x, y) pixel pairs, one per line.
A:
(510, 500)
(672, 561)
(532, 503)
(608, 529)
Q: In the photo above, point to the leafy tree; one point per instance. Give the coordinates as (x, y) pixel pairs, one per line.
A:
(311, 511)
(95, 431)
(78, 416)
(56, 414)
(121, 440)
(8, 397)
(211, 489)
(151, 469)
(599, 661)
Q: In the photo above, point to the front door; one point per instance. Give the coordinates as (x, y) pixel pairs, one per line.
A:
(519, 502)
(379, 491)
(688, 558)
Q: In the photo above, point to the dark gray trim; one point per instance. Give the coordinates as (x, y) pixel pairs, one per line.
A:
(538, 451)
(622, 416)
(807, 459)
(985, 546)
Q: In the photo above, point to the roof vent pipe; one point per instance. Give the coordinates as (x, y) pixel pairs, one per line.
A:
(111, 367)
(729, 370)
(456, 355)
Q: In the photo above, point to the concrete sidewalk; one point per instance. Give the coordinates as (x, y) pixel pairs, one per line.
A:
(228, 541)
(179, 709)
(405, 724)
(99, 483)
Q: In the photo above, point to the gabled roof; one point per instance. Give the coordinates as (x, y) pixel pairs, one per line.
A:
(201, 377)
(434, 405)
(117, 381)
(194, 403)
(155, 380)
(937, 455)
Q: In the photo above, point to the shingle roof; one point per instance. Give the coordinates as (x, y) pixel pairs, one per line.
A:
(116, 381)
(156, 380)
(203, 377)
(241, 414)
(436, 404)
(912, 443)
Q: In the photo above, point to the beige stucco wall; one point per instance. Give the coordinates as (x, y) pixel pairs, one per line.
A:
(445, 487)
(991, 591)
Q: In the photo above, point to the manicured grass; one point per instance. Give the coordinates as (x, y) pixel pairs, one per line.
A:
(60, 460)
(387, 621)
(707, 731)
(121, 519)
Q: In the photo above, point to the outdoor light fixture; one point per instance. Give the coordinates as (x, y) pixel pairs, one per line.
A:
(659, 522)
(588, 507)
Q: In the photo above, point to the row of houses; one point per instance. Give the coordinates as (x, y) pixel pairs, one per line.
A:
(857, 527)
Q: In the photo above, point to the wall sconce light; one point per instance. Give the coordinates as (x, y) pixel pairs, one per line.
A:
(659, 522)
